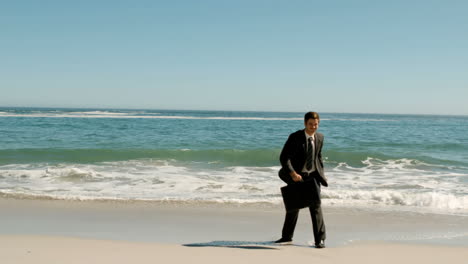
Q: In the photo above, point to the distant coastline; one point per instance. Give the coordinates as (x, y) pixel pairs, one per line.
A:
(300, 113)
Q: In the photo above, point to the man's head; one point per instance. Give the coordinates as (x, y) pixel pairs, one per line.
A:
(311, 122)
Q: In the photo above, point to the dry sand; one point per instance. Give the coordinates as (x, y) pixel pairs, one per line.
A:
(46, 232)
(49, 250)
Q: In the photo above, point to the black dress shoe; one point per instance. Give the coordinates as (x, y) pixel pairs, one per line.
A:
(320, 245)
(284, 241)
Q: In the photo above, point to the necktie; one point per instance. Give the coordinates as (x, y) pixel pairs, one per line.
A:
(310, 155)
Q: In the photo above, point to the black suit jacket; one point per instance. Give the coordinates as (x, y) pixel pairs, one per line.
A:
(295, 151)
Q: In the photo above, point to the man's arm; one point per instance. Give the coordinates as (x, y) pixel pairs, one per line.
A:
(324, 180)
(285, 158)
(319, 156)
(286, 154)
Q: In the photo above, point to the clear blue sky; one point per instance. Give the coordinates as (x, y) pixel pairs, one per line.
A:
(328, 56)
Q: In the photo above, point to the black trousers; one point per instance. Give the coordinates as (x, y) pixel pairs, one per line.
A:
(318, 225)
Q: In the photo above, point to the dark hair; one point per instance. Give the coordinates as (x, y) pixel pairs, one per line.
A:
(311, 115)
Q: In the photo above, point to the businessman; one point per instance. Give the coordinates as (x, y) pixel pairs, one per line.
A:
(301, 160)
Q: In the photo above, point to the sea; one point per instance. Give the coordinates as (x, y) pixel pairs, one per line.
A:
(373, 161)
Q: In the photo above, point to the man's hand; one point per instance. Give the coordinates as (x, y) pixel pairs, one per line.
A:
(295, 177)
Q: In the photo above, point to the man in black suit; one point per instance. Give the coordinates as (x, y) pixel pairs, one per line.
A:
(301, 160)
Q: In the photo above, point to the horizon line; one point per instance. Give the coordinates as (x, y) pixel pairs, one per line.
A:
(224, 110)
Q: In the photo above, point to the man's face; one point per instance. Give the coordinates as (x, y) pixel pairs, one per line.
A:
(311, 126)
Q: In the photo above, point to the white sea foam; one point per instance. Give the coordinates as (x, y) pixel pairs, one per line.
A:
(153, 115)
(389, 184)
(433, 200)
(99, 113)
(132, 115)
(359, 119)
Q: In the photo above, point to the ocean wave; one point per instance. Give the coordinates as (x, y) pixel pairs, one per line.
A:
(131, 114)
(359, 119)
(166, 180)
(97, 113)
(168, 200)
(222, 157)
(434, 200)
(106, 114)
(143, 115)
(430, 202)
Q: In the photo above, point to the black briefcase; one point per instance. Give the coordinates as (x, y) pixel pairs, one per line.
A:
(300, 195)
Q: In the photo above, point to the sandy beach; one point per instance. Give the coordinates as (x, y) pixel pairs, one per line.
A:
(51, 231)
(48, 249)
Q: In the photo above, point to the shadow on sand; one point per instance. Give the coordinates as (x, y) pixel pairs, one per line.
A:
(237, 244)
